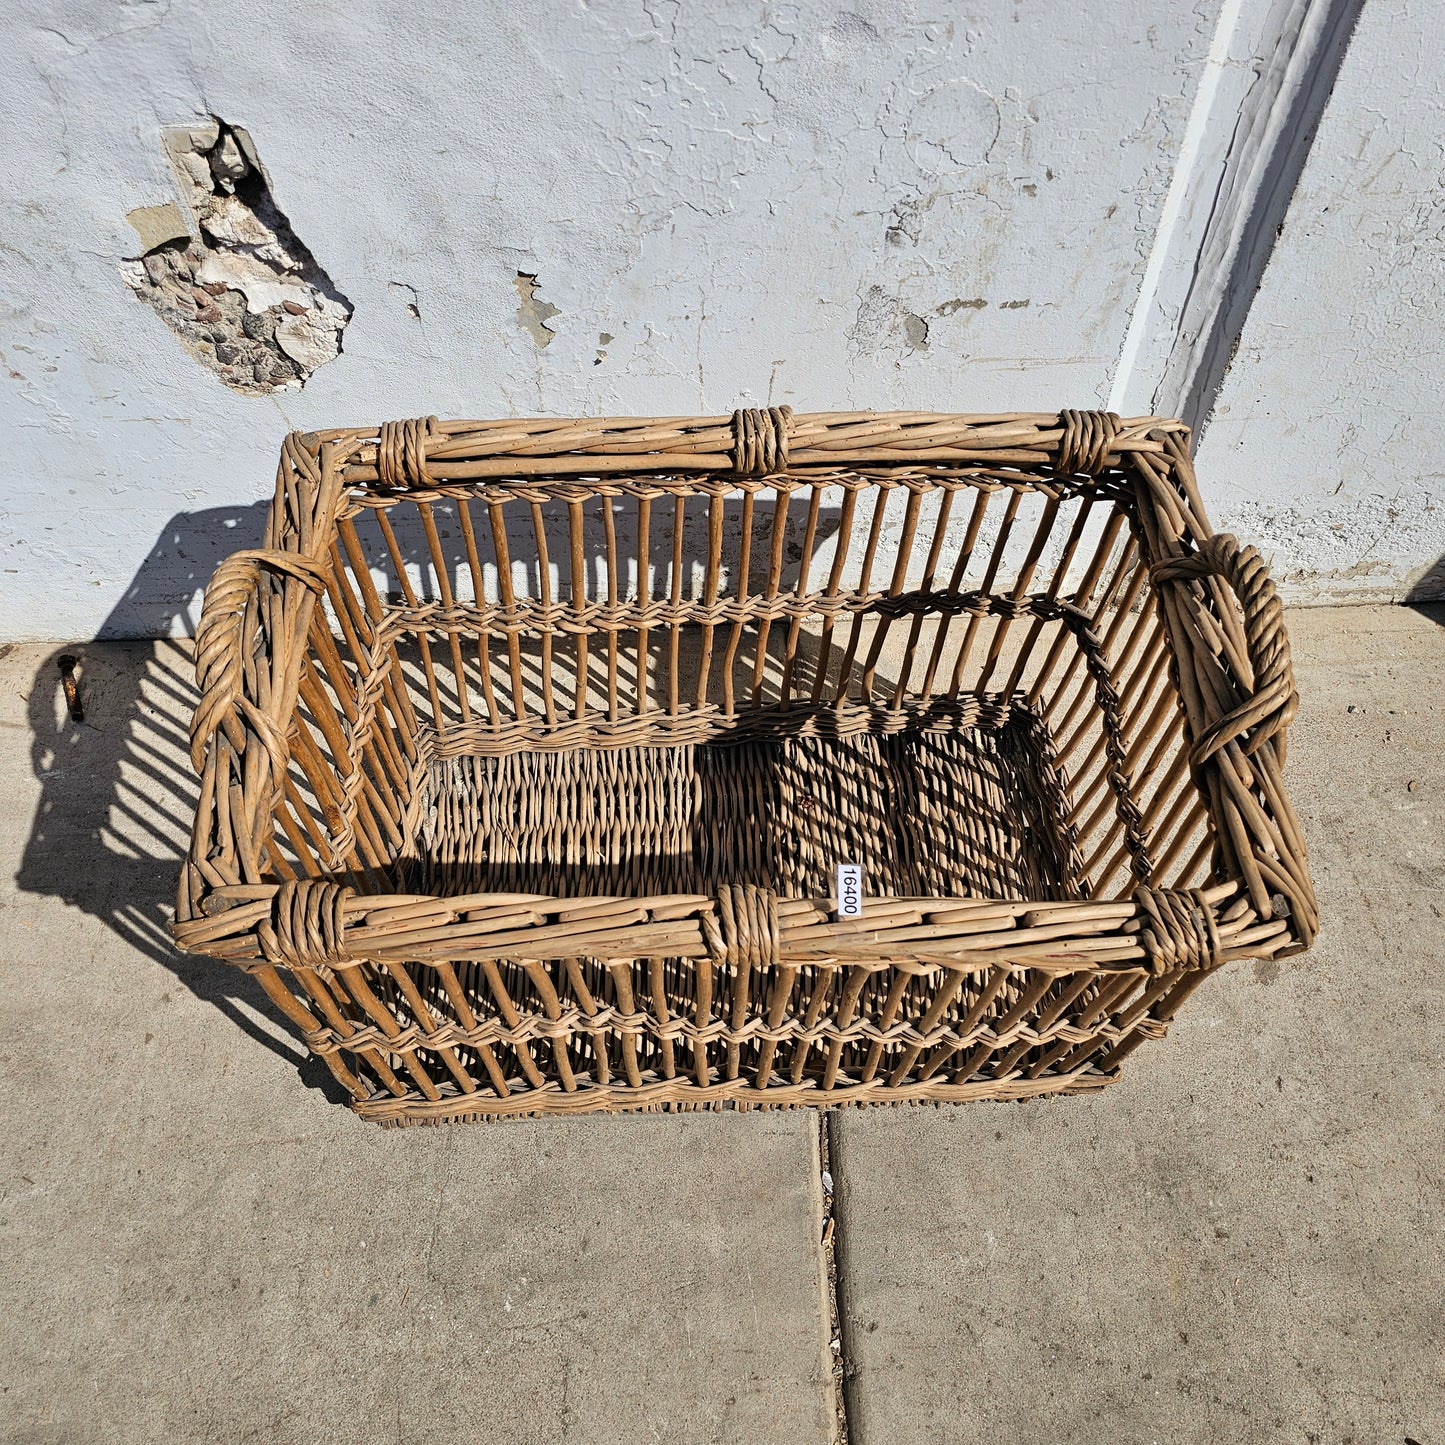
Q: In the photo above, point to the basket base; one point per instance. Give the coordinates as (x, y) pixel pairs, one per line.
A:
(680, 1096)
(935, 811)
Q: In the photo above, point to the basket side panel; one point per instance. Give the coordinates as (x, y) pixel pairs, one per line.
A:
(1139, 816)
(582, 615)
(355, 757)
(569, 1035)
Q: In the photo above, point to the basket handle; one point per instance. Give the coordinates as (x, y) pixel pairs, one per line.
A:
(1270, 708)
(220, 662)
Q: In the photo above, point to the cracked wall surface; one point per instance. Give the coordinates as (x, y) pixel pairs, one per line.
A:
(888, 206)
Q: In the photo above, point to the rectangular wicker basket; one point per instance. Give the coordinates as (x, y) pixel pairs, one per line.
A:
(530, 750)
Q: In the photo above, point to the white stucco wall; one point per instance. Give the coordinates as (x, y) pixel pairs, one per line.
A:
(882, 205)
(1325, 445)
(755, 201)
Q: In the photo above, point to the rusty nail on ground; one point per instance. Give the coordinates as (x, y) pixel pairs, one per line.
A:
(67, 664)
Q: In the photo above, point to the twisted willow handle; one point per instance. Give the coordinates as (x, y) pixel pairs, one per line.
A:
(220, 664)
(1271, 707)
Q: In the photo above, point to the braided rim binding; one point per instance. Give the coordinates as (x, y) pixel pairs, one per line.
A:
(744, 931)
(760, 440)
(1274, 702)
(401, 453)
(307, 926)
(1178, 929)
(1087, 443)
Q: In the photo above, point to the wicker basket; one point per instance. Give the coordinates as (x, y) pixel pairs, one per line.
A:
(530, 752)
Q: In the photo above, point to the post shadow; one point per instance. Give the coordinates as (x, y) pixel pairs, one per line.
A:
(1427, 595)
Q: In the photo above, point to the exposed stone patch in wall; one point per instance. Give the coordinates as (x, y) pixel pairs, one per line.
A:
(230, 277)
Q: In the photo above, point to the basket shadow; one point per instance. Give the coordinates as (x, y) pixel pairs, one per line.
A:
(117, 791)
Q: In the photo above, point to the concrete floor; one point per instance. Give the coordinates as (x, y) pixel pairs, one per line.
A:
(1239, 1242)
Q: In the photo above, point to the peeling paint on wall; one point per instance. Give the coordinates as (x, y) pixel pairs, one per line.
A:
(243, 294)
(534, 313)
(884, 324)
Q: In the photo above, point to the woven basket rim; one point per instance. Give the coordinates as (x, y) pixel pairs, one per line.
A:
(428, 451)
(1265, 901)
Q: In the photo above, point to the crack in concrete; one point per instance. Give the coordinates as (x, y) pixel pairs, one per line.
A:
(840, 1354)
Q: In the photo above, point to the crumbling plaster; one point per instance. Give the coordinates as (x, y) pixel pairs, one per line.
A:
(226, 273)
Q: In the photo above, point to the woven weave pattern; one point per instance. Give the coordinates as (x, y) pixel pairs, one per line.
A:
(975, 812)
(530, 749)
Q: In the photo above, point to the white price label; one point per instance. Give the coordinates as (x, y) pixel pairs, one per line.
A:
(850, 890)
